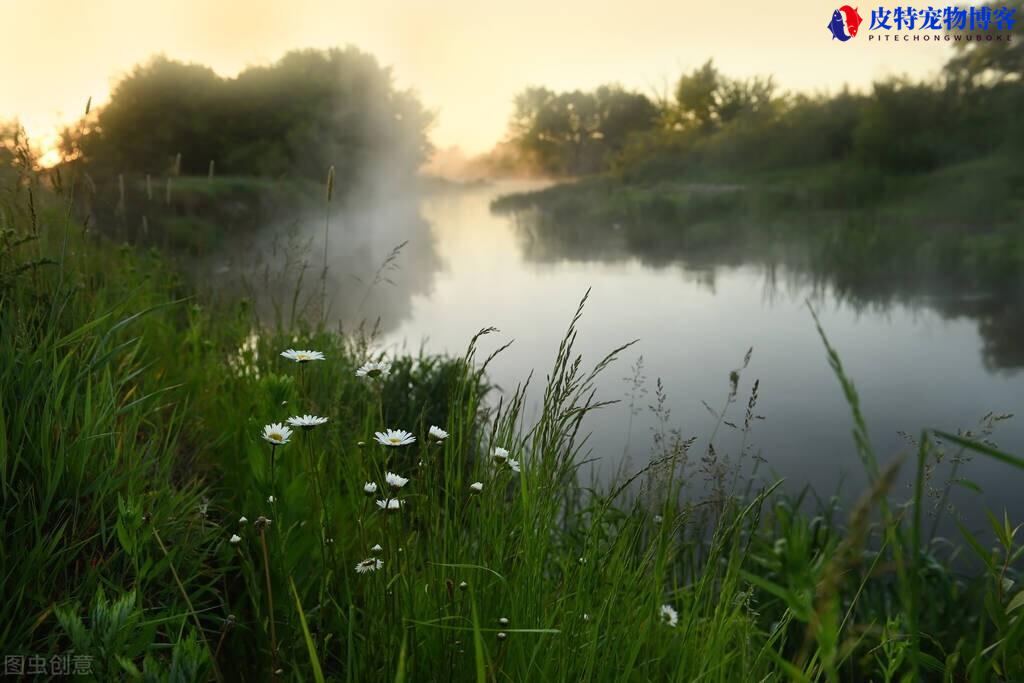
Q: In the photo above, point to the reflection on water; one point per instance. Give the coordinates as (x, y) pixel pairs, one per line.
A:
(923, 354)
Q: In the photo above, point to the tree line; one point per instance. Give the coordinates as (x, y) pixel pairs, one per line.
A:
(715, 123)
(310, 110)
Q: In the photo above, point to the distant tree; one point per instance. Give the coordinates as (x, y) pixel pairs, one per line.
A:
(308, 111)
(575, 132)
(160, 109)
(707, 99)
(697, 95)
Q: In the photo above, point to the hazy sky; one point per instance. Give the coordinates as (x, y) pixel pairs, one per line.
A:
(466, 58)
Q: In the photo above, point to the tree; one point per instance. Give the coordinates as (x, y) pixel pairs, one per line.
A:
(707, 99)
(310, 110)
(576, 132)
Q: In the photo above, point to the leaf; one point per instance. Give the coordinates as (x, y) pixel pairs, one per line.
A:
(318, 674)
(967, 483)
(1017, 601)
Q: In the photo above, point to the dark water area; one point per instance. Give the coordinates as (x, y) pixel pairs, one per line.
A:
(933, 354)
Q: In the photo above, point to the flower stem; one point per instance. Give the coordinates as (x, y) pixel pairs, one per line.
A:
(270, 602)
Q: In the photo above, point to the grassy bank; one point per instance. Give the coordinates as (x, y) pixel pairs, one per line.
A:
(131, 449)
(962, 222)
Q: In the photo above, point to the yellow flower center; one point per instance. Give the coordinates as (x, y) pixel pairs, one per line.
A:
(394, 439)
(276, 437)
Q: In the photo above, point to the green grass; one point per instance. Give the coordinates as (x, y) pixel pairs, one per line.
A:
(130, 421)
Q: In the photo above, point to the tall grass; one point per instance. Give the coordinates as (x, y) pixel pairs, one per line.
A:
(130, 451)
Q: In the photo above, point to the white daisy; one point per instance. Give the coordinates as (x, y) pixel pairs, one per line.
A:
(303, 356)
(276, 434)
(658, 519)
(368, 565)
(499, 453)
(306, 421)
(394, 437)
(395, 481)
(389, 504)
(377, 549)
(669, 615)
(513, 465)
(243, 519)
(369, 488)
(476, 486)
(235, 539)
(374, 369)
(438, 433)
(271, 499)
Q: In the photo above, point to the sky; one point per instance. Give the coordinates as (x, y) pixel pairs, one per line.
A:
(465, 58)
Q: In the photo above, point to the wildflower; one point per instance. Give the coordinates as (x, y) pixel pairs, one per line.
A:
(499, 453)
(271, 500)
(262, 522)
(658, 519)
(438, 433)
(513, 465)
(463, 585)
(377, 550)
(243, 519)
(389, 504)
(329, 541)
(669, 615)
(235, 539)
(395, 481)
(374, 369)
(369, 488)
(306, 421)
(502, 635)
(276, 434)
(476, 486)
(586, 617)
(371, 564)
(503, 621)
(394, 437)
(302, 356)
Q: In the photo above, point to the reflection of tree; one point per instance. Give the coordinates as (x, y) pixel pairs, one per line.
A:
(876, 276)
(1001, 324)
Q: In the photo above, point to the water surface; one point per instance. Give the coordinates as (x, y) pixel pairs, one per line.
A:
(919, 358)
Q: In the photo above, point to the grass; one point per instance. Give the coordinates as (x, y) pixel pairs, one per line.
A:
(130, 449)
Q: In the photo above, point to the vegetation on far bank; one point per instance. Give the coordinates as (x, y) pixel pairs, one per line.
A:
(912, 167)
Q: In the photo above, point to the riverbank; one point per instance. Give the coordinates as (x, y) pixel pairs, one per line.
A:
(963, 223)
(153, 525)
